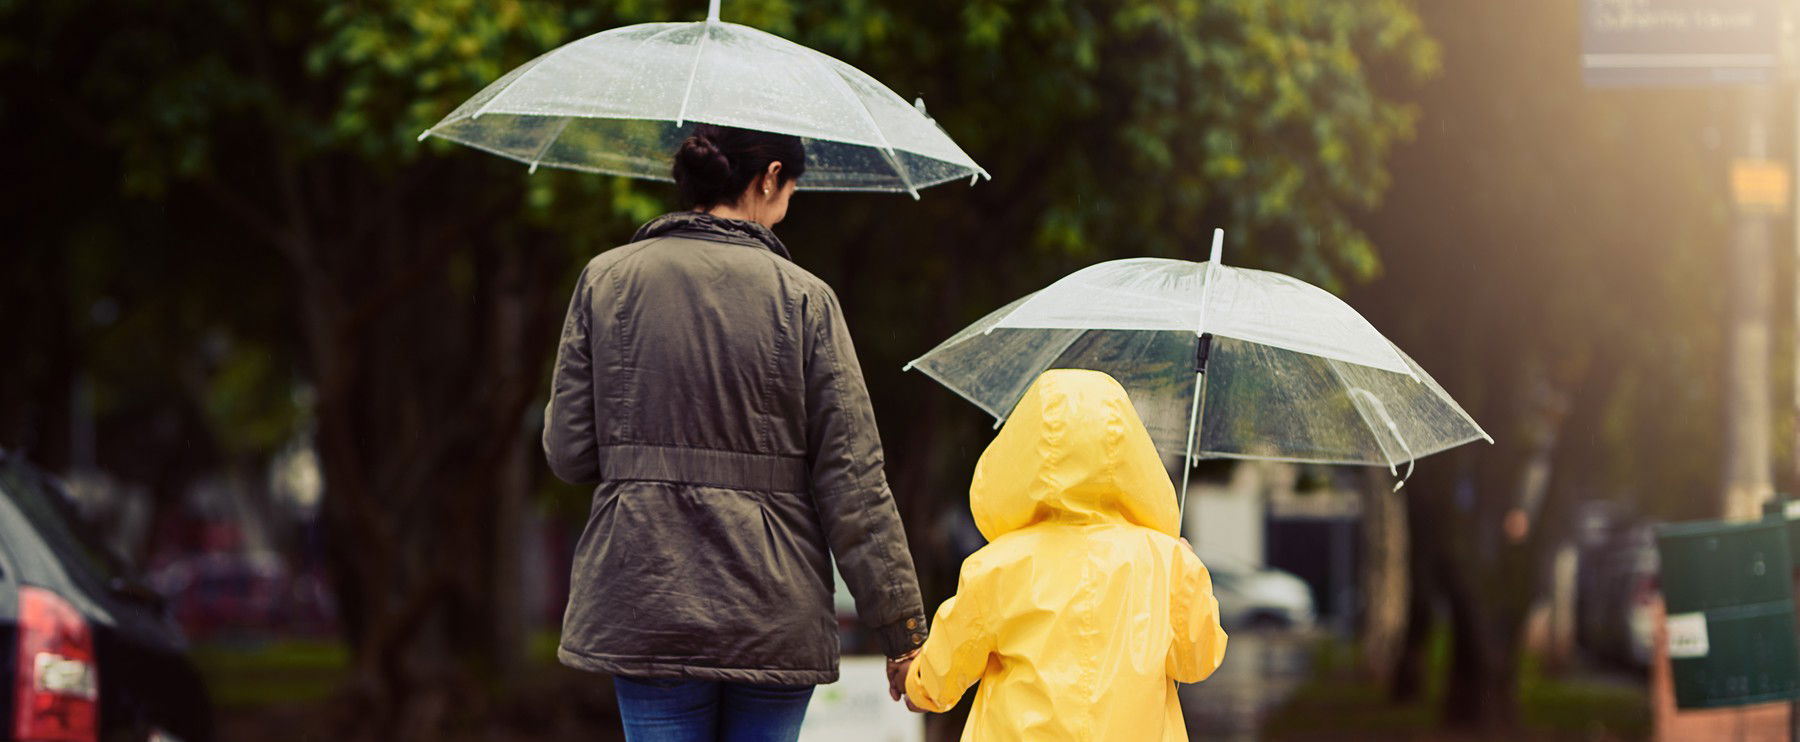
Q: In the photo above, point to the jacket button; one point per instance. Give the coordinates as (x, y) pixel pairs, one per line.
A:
(912, 623)
(918, 638)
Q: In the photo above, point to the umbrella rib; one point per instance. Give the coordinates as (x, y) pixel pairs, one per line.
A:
(1350, 391)
(509, 86)
(693, 71)
(999, 417)
(545, 147)
(672, 27)
(959, 391)
(1394, 430)
(868, 118)
(1074, 335)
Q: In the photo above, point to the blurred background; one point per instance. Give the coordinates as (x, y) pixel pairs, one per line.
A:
(288, 365)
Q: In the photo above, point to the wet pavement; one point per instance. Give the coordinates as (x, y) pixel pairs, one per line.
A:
(1261, 671)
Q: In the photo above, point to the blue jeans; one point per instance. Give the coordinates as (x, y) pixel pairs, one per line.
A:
(684, 710)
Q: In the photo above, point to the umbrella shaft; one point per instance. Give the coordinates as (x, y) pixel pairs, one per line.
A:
(1187, 459)
(1202, 351)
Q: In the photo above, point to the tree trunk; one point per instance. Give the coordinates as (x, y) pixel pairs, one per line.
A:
(1385, 578)
(1524, 503)
(1408, 679)
(1482, 690)
(424, 377)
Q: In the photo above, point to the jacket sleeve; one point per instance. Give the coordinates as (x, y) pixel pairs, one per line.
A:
(959, 649)
(570, 442)
(1199, 645)
(849, 488)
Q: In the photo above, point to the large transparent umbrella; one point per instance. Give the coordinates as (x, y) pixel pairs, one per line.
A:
(620, 102)
(1220, 362)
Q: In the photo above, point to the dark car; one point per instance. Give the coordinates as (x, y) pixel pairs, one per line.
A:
(87, 654)
(1618, 588)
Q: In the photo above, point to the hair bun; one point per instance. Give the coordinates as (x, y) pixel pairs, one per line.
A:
(702, 166)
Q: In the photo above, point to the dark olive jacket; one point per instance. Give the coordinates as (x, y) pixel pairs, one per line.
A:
(707, 384)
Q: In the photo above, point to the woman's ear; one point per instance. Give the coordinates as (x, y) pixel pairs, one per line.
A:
(771, 178)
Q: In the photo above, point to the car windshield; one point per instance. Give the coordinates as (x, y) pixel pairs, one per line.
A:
(49, 512)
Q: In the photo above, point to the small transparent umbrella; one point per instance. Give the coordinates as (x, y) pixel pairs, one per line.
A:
(1220, 362)
(620, 102)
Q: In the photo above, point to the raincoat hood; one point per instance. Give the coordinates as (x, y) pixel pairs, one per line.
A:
(701, 225)
(1075, 451)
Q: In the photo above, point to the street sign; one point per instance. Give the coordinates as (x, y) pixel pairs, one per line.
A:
(1674, 43)
(1730, 614)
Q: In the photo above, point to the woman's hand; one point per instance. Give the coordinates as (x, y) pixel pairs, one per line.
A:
(897, 668)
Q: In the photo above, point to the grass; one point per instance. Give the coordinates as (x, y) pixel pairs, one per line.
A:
(1577, 704)
(287, 691)
(1336, 705)
(273, 673)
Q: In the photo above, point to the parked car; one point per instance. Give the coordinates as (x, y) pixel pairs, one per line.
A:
(226, 594)
(1253, 596)
(1617, 591)
(87, 653)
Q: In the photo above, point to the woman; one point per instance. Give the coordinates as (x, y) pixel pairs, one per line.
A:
(707, 384)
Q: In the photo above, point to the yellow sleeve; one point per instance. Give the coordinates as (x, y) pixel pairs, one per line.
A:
(1199, 645)
(956, 650)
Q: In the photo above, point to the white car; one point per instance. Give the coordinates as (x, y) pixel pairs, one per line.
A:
(1255, 596)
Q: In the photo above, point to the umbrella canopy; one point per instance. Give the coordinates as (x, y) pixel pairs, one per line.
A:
(621, 101)
(1221, 362)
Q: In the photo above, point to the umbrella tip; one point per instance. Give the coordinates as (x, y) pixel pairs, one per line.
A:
(1218, 245)
(424, 134)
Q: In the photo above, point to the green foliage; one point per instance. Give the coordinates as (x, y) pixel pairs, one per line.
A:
(1334, 703)
(1162, 120)
(288, 672)
(1114, 128)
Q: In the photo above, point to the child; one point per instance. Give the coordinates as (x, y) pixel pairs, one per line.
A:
(1085, 609)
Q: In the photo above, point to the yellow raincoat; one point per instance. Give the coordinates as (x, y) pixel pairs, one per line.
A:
(1084, 609)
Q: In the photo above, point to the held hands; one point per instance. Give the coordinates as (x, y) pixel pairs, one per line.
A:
(897, 670)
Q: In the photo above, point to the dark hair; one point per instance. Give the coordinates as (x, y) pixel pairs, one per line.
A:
(716, 163)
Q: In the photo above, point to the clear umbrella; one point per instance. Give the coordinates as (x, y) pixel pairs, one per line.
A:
(620, 102)
(1221, 362)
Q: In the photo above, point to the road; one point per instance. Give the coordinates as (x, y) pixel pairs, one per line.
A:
(1261, 671)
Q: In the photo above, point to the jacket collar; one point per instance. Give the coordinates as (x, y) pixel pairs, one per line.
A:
(704, 226)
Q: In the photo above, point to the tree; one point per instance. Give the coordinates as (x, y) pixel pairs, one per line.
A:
(1551, 260)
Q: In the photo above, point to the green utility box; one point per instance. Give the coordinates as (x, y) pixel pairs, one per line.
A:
(1729, 591)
